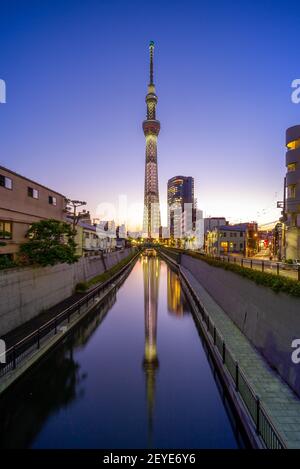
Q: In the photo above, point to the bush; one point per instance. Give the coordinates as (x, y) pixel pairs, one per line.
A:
(81, 287)
(109, 273)
(6, 262)
(275, 282)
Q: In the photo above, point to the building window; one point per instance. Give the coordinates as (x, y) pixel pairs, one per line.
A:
(86, 235)
(224, 246)
(5, 182)
(52, 200)
(291, 191)
(294, 144)
(5, 230)
(293, 219)
(291, 167)
(34, 193)
(241, 234)
(241, 246)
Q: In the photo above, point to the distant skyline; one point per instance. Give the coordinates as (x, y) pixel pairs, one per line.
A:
(76, 76)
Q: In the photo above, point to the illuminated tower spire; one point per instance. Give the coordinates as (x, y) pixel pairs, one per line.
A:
(151, 128)
(151, 49)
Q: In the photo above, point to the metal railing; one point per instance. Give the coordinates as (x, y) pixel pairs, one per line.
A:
(22, 349)
(262, 421)
(284, 269)
(277, 268)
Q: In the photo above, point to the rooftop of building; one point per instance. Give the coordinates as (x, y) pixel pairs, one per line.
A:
(13, 173)
(83, 224)
(172, 179)
(87, 226)
(239, 227)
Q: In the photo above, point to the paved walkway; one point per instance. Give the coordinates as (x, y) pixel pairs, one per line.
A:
(13, 337)
(17, 334)
(280, 402)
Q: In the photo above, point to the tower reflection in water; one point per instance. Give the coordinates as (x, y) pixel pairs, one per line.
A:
(151, 273)
(177, 305)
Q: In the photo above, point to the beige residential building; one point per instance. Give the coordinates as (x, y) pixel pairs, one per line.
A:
(91, 240)
(23, 202)
(91, 243)
(239, 239)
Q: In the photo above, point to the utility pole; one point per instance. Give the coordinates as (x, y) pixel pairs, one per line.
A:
(72, 206)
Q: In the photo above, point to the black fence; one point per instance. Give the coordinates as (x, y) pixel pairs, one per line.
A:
(278, 268)
(262, 421)
(25, 347)
(285, 269)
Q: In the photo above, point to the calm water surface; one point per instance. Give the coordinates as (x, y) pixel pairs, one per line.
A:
(134, 375)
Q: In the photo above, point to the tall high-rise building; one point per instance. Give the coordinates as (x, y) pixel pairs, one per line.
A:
(151, 127)
(181, 205)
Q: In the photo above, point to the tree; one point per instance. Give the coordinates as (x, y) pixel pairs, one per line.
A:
(50, 242)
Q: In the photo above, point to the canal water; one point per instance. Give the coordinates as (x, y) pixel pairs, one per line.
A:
(135, 374)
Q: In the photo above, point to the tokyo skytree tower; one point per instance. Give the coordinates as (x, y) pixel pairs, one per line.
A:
(151, 127)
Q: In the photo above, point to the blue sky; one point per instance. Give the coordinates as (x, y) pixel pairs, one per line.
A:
(77, 74)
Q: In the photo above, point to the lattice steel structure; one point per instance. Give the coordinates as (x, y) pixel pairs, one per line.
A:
(151, 127)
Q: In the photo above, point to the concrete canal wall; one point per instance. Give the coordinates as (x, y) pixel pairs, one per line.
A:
(26, 292)
(271, 321)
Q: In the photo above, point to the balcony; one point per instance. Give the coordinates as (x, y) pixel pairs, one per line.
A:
(292, 156)
(293, 178)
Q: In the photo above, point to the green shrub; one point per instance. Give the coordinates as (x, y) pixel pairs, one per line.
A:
(266, 279)
(109, 273)
(275, 282)
(6, 262)
(81, 287)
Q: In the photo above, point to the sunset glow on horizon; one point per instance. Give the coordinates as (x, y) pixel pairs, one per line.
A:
(76, 100)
